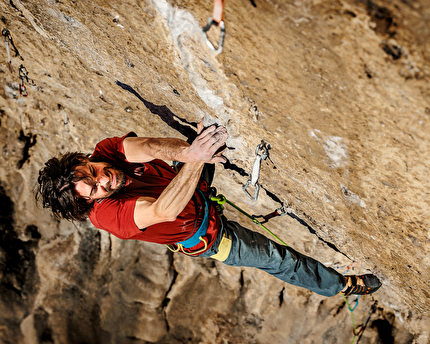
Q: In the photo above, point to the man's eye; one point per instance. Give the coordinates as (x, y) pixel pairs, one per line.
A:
(93, 191)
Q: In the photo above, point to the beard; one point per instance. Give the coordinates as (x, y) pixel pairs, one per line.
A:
(120, 180)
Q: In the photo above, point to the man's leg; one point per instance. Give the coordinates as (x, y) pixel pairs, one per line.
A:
(252, 249)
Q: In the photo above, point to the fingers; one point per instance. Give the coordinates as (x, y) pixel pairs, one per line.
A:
(200, 127)
(216, 151)
(209, 144)
(217, 141)
(212, 134)
(218, 159)
(205, 134)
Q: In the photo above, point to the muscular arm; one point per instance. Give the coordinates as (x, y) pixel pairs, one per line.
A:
(172, 200)
(178, 193)
(144, 149)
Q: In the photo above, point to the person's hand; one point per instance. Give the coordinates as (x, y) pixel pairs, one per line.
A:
(208, 145)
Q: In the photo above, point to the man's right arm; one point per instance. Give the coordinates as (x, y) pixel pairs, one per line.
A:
(177, 194)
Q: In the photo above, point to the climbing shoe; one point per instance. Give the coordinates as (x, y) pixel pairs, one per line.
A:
(361, 285)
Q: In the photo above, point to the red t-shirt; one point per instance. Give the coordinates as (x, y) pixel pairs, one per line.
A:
(115, 214)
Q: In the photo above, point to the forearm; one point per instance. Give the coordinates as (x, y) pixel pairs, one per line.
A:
(172, 200)
(178, 193)
(203, 149)
(139, 149)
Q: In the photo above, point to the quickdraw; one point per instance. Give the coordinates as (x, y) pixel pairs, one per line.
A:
(217, 20)
(264, 148)
(357, 330)
(220, 199)
(23, 74)
(7, 38)
(282, 211)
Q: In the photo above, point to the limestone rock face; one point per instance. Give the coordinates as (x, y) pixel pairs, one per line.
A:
(340, 91)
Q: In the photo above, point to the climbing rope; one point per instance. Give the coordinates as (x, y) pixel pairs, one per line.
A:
(220, 199)
(217, 20)
(351, 309)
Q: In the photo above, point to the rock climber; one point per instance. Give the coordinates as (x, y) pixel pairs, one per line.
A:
(127, 189)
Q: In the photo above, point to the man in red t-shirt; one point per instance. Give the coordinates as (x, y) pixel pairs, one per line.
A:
(127, 189)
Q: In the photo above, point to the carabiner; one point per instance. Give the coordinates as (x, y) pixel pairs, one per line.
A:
(256, 190)
(211, 22)
(282, 211)
(256, 169)
(6, 38)
(217, 20)
(23, 72)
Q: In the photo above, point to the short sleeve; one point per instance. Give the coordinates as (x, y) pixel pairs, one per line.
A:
(112, 149)
(116, 215)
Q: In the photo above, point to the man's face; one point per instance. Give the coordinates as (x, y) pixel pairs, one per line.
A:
(101, 180)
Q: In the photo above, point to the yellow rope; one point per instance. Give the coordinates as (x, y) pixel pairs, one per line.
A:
(181, 248)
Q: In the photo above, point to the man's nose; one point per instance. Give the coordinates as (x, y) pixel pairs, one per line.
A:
(102, 180)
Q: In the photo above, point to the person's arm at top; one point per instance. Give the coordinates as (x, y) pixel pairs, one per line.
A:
(172, 201)
(144, 149)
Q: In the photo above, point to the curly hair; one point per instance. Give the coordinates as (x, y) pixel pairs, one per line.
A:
(55, 187)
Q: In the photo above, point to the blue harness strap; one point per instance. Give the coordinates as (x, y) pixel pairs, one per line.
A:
(194, 240)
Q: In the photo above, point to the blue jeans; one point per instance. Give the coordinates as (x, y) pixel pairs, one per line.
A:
(251, 249)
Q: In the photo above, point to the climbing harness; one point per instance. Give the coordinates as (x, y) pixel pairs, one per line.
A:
(7, 38)
(197, 236)
(23, 74)
(217, 20)
(220, 199)
(282, 211)
(264, 148)
(180, 247)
